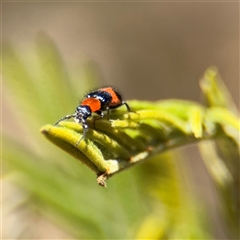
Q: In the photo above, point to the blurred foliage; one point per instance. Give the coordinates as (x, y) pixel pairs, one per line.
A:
(222, 156)
(147, 201)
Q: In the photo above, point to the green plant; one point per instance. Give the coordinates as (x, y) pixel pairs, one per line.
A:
(148, 201)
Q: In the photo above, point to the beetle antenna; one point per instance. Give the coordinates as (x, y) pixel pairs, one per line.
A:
(64, 118)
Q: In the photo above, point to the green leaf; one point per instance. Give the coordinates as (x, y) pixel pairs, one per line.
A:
(105, 149)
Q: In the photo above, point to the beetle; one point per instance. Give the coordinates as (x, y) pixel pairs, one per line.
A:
(98, 101)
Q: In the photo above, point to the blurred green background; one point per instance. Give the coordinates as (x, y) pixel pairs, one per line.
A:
(149, 51)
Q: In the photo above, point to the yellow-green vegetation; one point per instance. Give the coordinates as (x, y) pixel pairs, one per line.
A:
(146, 202)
